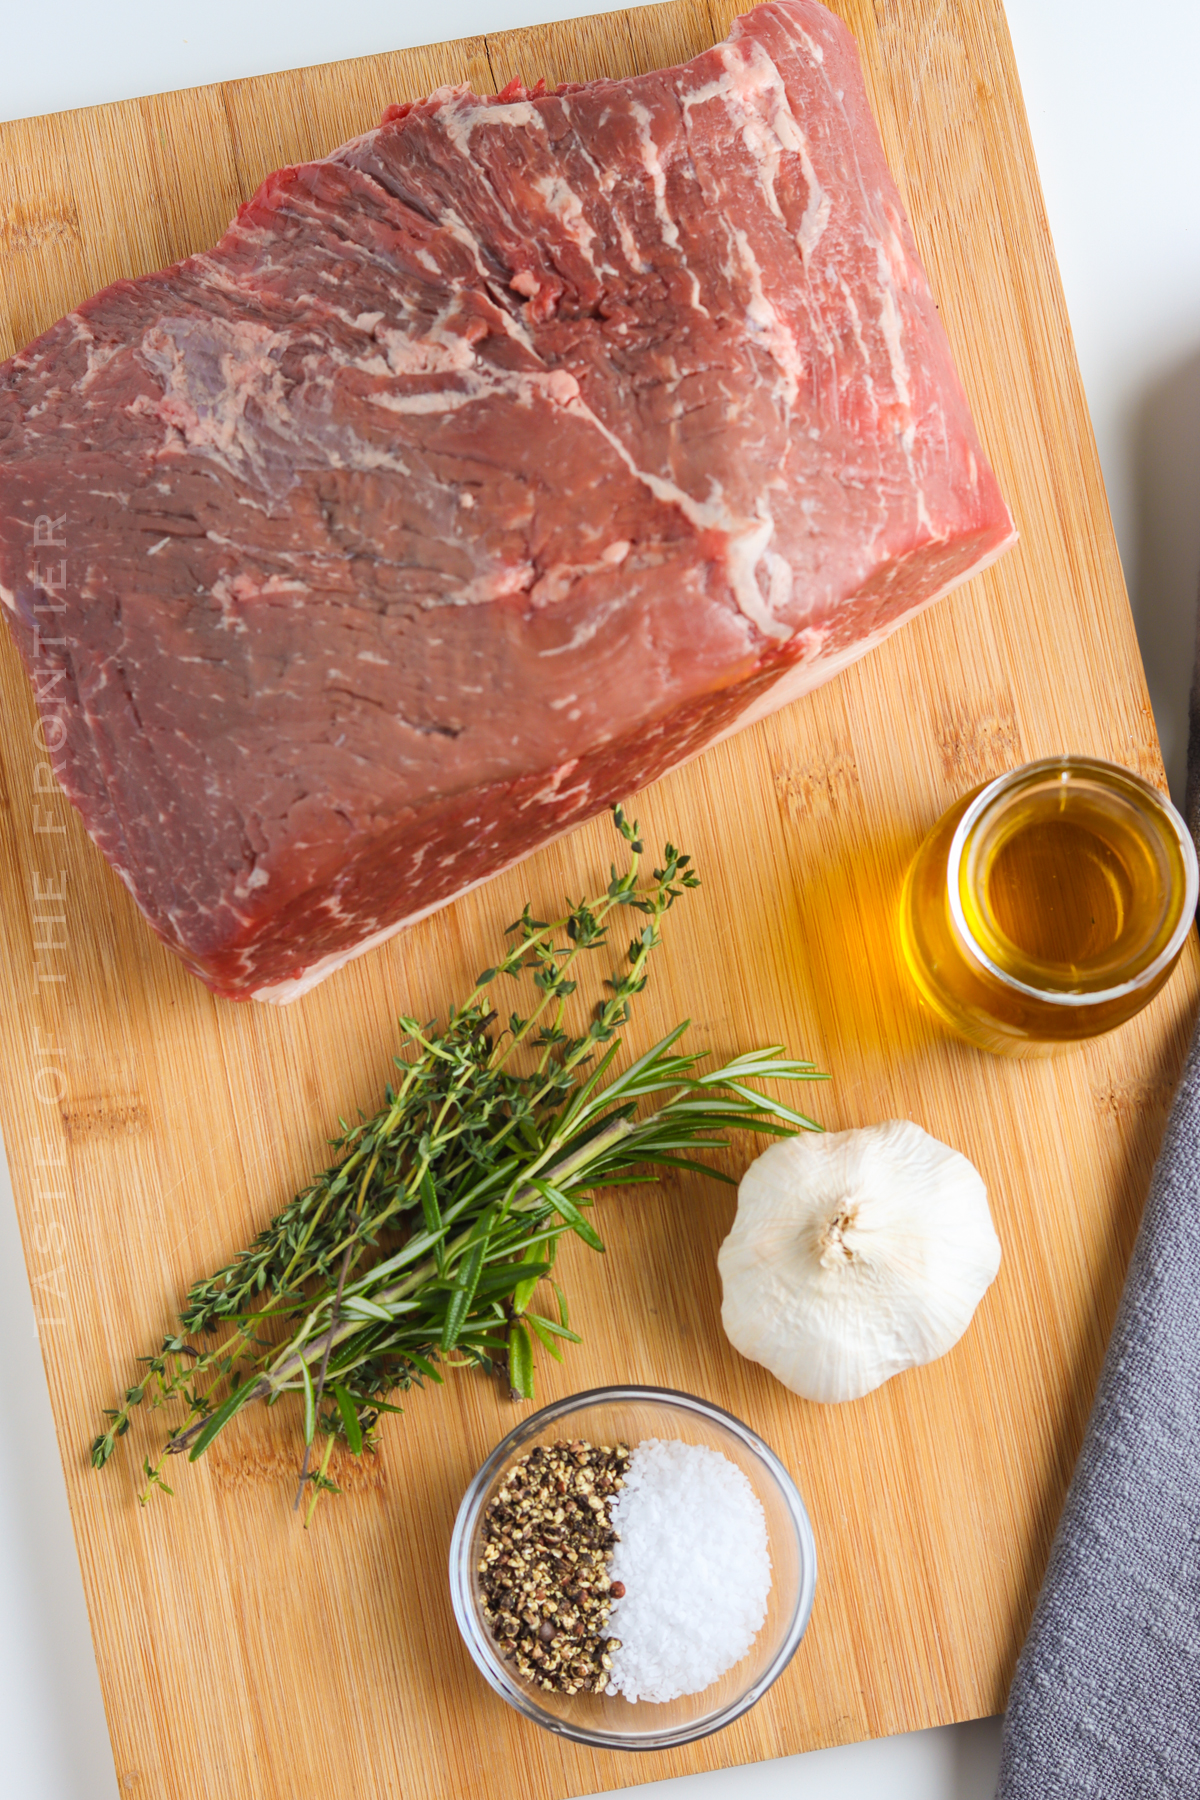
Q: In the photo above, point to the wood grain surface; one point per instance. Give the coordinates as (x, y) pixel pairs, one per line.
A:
(150, 1128)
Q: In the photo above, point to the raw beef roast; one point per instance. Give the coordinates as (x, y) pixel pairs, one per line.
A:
(485, 470)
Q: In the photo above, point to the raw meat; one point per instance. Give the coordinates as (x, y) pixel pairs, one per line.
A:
(484, 471)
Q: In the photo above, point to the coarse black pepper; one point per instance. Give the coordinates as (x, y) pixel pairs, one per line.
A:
(547, 1541)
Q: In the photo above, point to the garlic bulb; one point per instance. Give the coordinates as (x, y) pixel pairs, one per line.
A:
(855, 1254)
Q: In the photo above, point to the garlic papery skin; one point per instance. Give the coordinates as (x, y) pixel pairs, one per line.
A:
(854, 1255)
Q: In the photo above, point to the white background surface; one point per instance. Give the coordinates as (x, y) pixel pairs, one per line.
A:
(1116, 127)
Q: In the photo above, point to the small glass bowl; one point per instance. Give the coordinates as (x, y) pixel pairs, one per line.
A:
(629, 1415)
(1101, 833)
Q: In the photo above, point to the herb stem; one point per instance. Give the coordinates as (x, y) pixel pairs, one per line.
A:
(422, 1245)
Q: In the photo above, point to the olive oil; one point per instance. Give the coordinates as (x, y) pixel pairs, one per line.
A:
(1065, 892)
(1049, 905)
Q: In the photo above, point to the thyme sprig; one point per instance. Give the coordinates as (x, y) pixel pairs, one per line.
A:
(429, 1238)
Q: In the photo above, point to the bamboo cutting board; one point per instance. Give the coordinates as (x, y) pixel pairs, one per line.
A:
(151, 1128)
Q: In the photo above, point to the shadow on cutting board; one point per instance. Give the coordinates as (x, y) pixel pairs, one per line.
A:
(1165, 567)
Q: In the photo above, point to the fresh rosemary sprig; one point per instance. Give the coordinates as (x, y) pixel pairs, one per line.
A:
(425, 1242)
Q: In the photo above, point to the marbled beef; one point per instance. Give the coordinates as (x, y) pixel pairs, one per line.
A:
(484, 470)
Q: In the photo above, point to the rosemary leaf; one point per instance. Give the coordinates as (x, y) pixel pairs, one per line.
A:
(520, 1361)
(350, 1419)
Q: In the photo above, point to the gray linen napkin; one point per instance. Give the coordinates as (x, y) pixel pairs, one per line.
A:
(1105, 1704)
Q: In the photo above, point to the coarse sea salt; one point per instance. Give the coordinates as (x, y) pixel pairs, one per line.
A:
(694, 1561)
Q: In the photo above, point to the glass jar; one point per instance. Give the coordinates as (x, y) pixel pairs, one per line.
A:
(1049, 905)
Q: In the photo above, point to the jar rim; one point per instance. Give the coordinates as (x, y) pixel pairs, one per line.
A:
(1067, 766)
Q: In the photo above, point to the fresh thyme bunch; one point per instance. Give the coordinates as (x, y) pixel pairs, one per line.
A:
(425, 1241)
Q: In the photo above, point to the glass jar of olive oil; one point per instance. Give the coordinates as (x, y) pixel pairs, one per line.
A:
(1049, 905)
